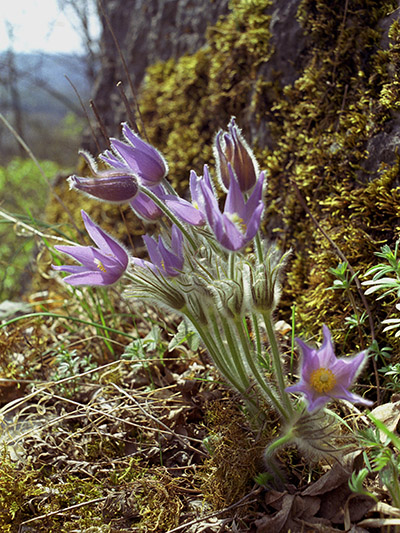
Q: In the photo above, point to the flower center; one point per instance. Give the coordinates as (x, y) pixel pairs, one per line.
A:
(236, 219)
(322, 380)
(100, 265)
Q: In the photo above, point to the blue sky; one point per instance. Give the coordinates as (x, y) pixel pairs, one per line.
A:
(39, 25)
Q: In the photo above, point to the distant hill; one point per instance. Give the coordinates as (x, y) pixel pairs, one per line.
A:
(42, 83)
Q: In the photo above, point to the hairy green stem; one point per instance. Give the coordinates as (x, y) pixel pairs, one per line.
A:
(276, 359)
(259, 248)
(253, 365)
(214, 351)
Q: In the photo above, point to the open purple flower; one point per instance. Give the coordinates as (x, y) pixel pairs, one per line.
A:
(113, 185)
(168, 262)
(240, 221)
(233, 149)
(142, 159)
(325, 377)
(103, 265)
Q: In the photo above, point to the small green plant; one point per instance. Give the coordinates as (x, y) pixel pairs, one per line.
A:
(385, 275)
(392, 375)
(380, 456)
(70, 363)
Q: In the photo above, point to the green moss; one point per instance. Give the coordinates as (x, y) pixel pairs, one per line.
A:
(235, 456)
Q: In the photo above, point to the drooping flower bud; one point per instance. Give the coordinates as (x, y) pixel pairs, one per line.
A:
(114, 186)
(231, 148)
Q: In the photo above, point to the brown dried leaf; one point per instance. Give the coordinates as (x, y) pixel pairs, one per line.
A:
(389, 414)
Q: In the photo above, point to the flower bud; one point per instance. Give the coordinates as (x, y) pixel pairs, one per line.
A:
(114, 186)
(233, 149)
(265, 286)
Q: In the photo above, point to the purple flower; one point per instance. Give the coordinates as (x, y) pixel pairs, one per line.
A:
(168, 262)
(103, 265)
(191, 212)
(240, 221)
(114, 186)
(231, 148)
(144, 206)
(142, 159)
(324, 376)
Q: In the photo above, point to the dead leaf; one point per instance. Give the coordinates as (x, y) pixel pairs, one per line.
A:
(389, 414)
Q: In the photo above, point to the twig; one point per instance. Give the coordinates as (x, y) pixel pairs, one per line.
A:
(154, 419)
(31, 229)
(85, 113)
(239, 503)
(100, 122)
(131, 116)
(61, 511)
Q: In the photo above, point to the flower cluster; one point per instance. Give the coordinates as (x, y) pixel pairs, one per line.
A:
(211, 264)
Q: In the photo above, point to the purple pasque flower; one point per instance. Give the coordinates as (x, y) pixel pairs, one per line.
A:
(112, 185)
(325, 377)
(231, 148)
(168, 262)
(191, 212)
(142, 159)
(103, 265)
(144, 206)
(241, 219)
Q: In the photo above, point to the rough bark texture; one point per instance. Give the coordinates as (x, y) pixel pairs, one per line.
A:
(147, 31)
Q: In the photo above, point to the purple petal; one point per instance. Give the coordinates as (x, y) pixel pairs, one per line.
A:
(195, 191)
(119, 188)
(143, 159)
(345, 370)
(89, 278)
(184, 210)
(105, 243)
(253, 225)
(228, 234)
(342, 393)
(83, 254)
(108, 157)
(154, 252)
(142, 263)
(176, 241)
(234, 201)
(145, 208)
(73, 269)
(256, 196)
(172, 264)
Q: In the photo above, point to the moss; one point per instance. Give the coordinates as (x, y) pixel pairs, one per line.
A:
(234, 456)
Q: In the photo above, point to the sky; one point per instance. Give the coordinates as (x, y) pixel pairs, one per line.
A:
(39, 25)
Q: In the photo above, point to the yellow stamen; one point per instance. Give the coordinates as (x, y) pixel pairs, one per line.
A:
(100, 265)
(322, 380)
(238, 221)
